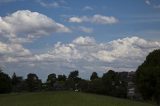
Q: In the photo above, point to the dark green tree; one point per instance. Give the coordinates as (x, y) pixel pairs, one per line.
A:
(73, 80)
(73, 74)
(5, 83)
(83, 85)
(96, 86)
(109, 79)
(148, 77)
(94, 76)
(17, 83)
(33, 83)
(51, 80)
(61, 78)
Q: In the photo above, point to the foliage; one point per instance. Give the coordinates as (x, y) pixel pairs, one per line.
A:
(94, 76)
(17, 83)
(73, 74)
(5, 83)
(148, 77)
(61, 78)
(114, 85)
(33, 83)
(51, 80)
(73, 80)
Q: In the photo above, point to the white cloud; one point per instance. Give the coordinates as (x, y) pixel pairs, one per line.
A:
(147, 2)
(75, 19)
(104, 19)
(83, 53)
(24, 24)
(126, 51)
(13, 49)
(53, 4)
(156, 6)
(84, 40)
(99, 19)
(87, 8)
(21, 27)
(13, 52)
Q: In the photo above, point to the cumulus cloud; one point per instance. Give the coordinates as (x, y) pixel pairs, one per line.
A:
(75, 19)
(84, 40)
(122, 53)
(24, 24)
(85, 54)
(13, 49)
(12, 52)
(99, 19)
(86, 48)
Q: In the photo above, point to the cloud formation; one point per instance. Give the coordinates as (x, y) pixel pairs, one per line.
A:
(147, 2)
(152, 4)
(88, 8)
(24, 25)
(98, 19)
(84, 51)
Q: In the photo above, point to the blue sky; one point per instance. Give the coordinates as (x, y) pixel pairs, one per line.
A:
(55, 30)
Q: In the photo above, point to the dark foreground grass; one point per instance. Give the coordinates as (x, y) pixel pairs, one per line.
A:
(64, 98)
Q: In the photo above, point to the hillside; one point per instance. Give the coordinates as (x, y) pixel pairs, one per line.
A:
(64, 99)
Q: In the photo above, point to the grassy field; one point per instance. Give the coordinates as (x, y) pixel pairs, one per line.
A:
(64, 98)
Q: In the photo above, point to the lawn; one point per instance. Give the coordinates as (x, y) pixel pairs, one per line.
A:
(64, 98)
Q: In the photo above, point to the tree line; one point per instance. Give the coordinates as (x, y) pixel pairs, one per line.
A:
(111, 83)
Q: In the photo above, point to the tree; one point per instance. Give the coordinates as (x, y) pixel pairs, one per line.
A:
(73, 74)
(96, 86)
(17, 83)
(83, 85)
(33, 83)
(148, 77)
(73, 80)
(61, 78)
(51, 80)
(94, 76)
(5, 83)
(109, 82)
(114, 84)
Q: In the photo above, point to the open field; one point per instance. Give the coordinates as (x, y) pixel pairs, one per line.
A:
(64, 98)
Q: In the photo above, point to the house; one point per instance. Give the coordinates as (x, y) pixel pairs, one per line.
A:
(131, 87)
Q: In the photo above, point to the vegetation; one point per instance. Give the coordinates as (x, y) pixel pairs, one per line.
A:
(148, 77)
(64, 98)
(5, 83)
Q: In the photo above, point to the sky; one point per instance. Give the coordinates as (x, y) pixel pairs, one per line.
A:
(60, 36)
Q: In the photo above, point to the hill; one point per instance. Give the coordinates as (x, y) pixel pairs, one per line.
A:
(64, 98)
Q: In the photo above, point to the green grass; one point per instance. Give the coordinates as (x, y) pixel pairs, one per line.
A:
(64, 98)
